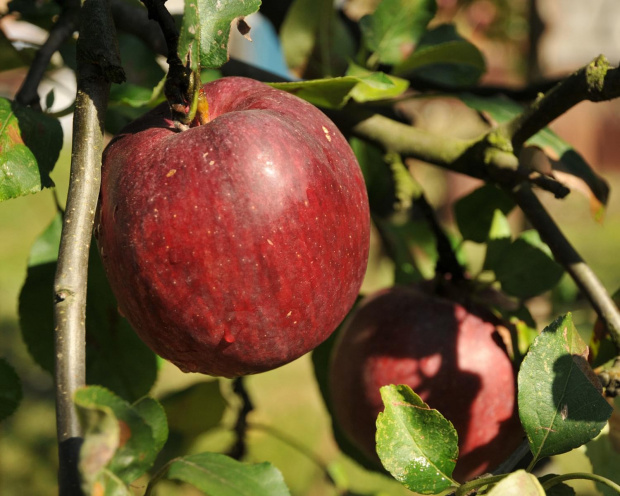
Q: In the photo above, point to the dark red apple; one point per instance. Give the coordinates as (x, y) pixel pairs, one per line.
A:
(239, 245)
(451, 357)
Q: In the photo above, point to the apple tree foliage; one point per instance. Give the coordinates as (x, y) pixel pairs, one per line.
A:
(350, 73)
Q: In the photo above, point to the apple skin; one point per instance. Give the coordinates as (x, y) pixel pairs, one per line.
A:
(239, 245)
(452, 358)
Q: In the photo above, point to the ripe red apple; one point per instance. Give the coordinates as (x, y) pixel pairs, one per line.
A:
(451, 357)
(239, 245)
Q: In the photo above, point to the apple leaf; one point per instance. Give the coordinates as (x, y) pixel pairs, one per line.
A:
(214, 473)
(604, 451)
(115, 357)
(206, 29)
(204, 397)
(525, 268)
(560, 401)
(567, 161)
(118, 438)
(499, 239)
(298, 31)
(10, 389)
(474, 212)
(153, 413)
(335, 92)
(443, 57)
(30, 144)
(415, 443)
(394, 29)
(519, 483)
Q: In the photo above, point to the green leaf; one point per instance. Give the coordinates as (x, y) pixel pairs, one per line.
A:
(570, 164)
(378, 86)
(519, 483)
(190, 34)
(10, 389)
(153, 413)
(604, 452)
(444, 57)
(474, 213)
(30, 143)
(135, 448)
(415, 443)
(525, 268)
(212, 24)
(395, 28)
(560, 402)
(221, 475)
(499, 239)
(335, 92)
(298, 31)
(115, 357)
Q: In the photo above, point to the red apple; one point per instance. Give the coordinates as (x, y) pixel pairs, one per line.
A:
(239, 245)
(451, 357)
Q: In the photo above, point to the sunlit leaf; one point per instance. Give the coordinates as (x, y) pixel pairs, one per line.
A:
(392, 31)
(519, 483)
(560, 401)
(221, 475)
(107, 417)
(299, 31)
(336, 92)
(415, 443)
(30, 143)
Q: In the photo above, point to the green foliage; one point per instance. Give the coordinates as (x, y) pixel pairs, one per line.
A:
(115, 357)
(336, 92)
(475, 212)
(213, 473)
(206, 29)
(443, 57)
(560, 402)
(10, 389)
(415, 443)
(394, 28)
(30, 143)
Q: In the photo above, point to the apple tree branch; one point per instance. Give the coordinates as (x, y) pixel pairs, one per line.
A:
(98, 64)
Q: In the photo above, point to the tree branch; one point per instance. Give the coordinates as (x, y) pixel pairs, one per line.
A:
(595, 82)
(97, 64)
(565, 254)
(66, 25)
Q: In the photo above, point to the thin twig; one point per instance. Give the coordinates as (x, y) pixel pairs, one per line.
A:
(239, 449)
(95, 65)
(64, 27)
(178, 87)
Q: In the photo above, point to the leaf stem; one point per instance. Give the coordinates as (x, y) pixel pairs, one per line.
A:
(549, 483)
(465, 488)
